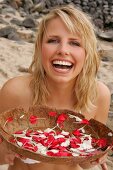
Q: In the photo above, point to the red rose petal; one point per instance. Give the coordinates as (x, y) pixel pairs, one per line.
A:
(12, 140)
(9, 119)
(23, 140)
(33, 119)
(61, 153)
(19, 132)
(84, 121)
(77, 132)
(102, 142)
(37, 139)
(52, 114)
(62, 117)
(30, 147)
(28, 133)
(74, 145)
(50, 153)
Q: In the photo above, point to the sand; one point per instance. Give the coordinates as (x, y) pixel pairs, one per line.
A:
(15, 58)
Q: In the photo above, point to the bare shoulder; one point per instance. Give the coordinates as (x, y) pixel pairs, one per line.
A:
(103, 102)
(103, 91)
(14, 92)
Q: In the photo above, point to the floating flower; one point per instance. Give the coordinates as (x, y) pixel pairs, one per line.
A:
(100, 142)
(59, 154)
(38, 140)
(76, 140)
(33, 119)
(61, 118)
(12, 140)
(24, 140)
(30, 147)
(8, 120)
(29, 132)
(50, 139)
(19, 132)
(77, 132)
(74, 145)
(84, 121)
(53, 114)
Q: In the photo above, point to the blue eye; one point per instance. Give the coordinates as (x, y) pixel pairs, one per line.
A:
(74, 43)
(53, 41)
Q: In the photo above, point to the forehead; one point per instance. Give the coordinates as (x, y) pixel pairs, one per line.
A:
(55, 23)
(58, 26)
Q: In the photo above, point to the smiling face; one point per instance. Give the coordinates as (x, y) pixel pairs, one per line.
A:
(62, 53)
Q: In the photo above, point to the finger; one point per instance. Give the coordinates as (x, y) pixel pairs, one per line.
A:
(104, 166)
(20, 156)
(10, 157)
(1, 140)
(94, 163)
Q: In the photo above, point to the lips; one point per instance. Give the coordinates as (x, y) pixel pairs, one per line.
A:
(62, 64)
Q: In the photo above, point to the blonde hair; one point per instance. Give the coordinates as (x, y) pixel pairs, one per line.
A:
(86, 84)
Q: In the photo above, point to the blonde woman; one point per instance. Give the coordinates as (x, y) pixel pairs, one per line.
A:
(62, 75)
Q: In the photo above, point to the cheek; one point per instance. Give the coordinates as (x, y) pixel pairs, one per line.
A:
(81, 57)
(45, 57)
(46, 53)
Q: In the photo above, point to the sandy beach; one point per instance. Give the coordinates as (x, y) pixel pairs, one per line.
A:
(15, 58)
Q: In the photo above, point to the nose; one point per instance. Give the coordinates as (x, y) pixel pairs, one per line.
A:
(63, 49)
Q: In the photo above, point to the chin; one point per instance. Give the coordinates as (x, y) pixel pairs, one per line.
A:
(62, 81)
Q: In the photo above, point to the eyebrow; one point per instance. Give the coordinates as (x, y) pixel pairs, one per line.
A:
(56, 36)
(53, 36)
(75, 39)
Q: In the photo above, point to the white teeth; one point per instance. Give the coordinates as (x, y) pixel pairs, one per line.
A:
(65, 63)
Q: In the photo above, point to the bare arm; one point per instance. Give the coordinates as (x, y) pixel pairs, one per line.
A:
(8, 100)
(103, 105)
(101, 114)
(12, 94)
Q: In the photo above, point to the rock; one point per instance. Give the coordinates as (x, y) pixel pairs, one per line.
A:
(2, 21)
(38, 7)
(105, 35)
(110, 114)
(37, 1)
(29, 23)
(4, 32)
(3, 73)
(104, 58)
(22, 69)
(8, 10)
(15, 3)
(26, 35)
(14, 36)
(16, 21)
(28, 4)
(1, 1)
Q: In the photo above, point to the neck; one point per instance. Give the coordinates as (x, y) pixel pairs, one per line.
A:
(61, 96)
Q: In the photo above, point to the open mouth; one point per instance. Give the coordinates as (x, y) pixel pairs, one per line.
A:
(62, 64)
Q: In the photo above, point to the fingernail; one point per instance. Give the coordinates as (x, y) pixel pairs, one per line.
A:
(17, 155)
(1, 140)
(99, 161)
